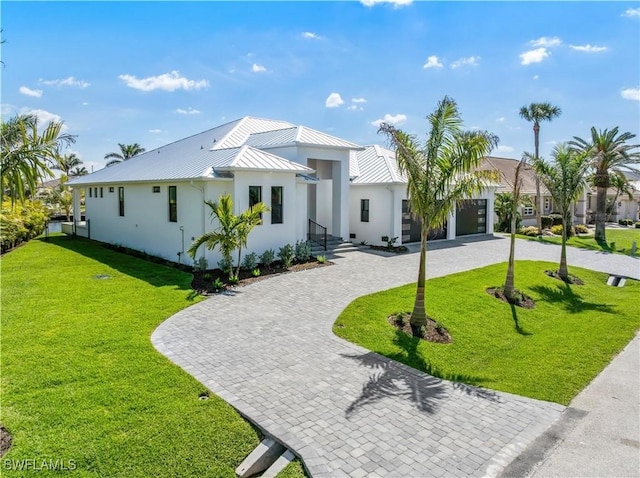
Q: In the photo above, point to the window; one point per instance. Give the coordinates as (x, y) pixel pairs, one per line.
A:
(101, 192)
(111, 189)
(90, 192)
(255, 196)
(276, 205)
(156, 189)
(527, 210)
(364, 210)
(173, 204)
(121, 200)
(95, 192)
(547, 204)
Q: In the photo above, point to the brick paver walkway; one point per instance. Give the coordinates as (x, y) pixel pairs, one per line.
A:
(269, 351)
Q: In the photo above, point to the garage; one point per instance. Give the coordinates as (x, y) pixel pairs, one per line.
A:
(471, 217)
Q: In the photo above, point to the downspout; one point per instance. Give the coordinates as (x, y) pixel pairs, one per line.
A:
(201, 208)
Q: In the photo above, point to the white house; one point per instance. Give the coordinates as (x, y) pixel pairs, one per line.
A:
(310, 180)
(379, 207)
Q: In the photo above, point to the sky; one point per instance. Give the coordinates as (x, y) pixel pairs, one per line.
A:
(155, 72)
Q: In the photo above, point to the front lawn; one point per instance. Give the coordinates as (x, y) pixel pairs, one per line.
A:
(618, 240)
(81, 381)
(550, 352)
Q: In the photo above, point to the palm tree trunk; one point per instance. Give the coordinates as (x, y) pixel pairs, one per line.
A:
(601, 214)
(563, 272)
(510, 281)
(536, 139)
(419, 314)
(238, 266)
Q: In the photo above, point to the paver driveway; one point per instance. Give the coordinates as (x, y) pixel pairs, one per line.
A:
(269, 351)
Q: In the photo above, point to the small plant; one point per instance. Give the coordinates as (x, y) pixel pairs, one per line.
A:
(625, 222)
(267, 258)
(531, 231)
(581, 229)
(200, 265)
(556, 218)
(390, 241)
(207, 276)
(546, 222)
(233, 279)
(302, 251)
(250, 261)
(225, 265)
(557, 230)
(321, 259)
(255, 272)
(638, 225)
(218, 284)
(363, 243)
(286, 255)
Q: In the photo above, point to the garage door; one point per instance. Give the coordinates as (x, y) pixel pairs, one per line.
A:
(411, 227)
(471, 217)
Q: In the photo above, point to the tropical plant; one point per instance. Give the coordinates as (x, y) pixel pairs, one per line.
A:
(286, 254)
(535, 113)
(565, 178)
(609, 152)
(510, 281)
(621, 184)
(26, 152)
(66, 163)
(303, 251)
(246, 221)
(79, 171)
(62, 196)
(267, 258)
(250, 261)
(439, 174)
(503, 207)
(127, 151)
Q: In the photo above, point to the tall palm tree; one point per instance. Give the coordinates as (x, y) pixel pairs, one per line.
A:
(565, 178)
(537, 112)
(66, 163)
(609, 152)
(439, 173)
(510, 281)
(127, 151)
(26, 153)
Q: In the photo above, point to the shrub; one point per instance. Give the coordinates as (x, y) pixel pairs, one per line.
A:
(218, 284)
(250, 261)
(255, 272)
(546, 222)
(267, 258)
(200, 265)
(286, 255)
(531, 231)
(557, 230)
(303, 251)
(581, 229)
(625, 222)
(638, 225)
(234, 279)
(21, 222)
(225, 265)
(556, 218)
(323, 259)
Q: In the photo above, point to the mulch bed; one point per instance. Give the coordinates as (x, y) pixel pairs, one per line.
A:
(571, 279)
(204, 285)
(431, 332)
(521, 299)
(395, 249)
(5, 440)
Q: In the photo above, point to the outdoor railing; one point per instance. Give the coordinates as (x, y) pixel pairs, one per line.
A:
(317, 233)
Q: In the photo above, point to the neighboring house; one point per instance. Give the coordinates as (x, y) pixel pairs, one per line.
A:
(154, 202)
(621, 205)
(379, 206)
(507, 169)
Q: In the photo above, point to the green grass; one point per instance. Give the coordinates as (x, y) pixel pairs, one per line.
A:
(618, 241)
(81, 380)
(550, 352)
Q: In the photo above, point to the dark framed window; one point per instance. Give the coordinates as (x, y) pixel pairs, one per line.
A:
(95, 192)
(90, 192)
(156, 189)
(364, 210)
(111, 189)
(173, 204)
(121, 200)
(101, 191)
(255, 196)
(276, 205)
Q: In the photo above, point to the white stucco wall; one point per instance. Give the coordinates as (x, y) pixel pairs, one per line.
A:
(385, 213)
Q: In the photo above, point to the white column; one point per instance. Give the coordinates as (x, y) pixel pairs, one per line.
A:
(77, 212)
(451, 225)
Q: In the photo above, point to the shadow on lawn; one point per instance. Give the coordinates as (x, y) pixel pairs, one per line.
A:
(516, 324)
(564, 295)
(156, 275)
(417, 380)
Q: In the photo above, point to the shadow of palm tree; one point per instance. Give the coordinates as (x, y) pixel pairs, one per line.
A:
(516, 324)
(564, 295)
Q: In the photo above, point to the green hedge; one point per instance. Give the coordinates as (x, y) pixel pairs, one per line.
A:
(21, 222)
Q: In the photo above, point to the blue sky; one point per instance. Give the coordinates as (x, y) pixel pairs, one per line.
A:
(155, 72)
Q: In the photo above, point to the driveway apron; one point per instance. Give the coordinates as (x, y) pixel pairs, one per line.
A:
(269, 351)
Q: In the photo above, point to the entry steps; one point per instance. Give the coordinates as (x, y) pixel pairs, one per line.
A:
(267, 460)
(335, 245)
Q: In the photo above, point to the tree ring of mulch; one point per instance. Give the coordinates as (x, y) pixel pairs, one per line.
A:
(521, 300)
(431, 332)
(5, 440)
(571, 279)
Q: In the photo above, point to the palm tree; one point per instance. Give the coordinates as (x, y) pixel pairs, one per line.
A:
(26, 153)
(127, 151)
(510, 281)
(537, 112)
(246, 222)
(621, 185)
(66, 163)
(609, 152)
(439, 174)
(565, 180)
(79, 171)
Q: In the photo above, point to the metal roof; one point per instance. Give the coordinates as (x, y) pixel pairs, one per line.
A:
(249, 158)
(298, 135)
(244, 127)
(377, 165)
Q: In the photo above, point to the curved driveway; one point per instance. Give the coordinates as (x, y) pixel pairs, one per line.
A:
(269, 351)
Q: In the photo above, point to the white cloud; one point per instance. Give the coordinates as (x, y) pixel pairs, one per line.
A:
(395, 3)
(631, 94)
(534, 56)
(588, 48)
(547, 42)
(500, 120)
(29, 92)
(632, 12)
(84, 103)
(167, 81)
(333, 100)
(70, 81)
(432, 62)
(535, 77)
(155, 131)
(311, 35)
(505, 149)
(44, 117)
(355, 108)
(258, 68)
(188, 111)
(358, 100)
(471, 61)
(390, 119)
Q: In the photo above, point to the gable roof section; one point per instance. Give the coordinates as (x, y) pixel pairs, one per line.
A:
(238, 134)
(507, 169)
(377, 165)
(298, 135)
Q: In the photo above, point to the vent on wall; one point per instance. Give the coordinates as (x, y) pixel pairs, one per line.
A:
(156, 189)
